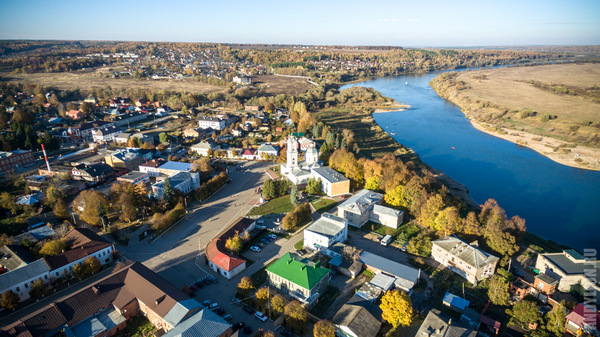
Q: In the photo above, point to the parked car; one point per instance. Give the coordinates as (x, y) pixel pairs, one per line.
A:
(207, 281)
(194, 287)
(213, 306)
(265, 241)
(199, 284)
(206, 303)
(260, 316)
(237, 326)
(261, 244)
(219, 311)
(272, 236)
(285, 332)
(255, 249)
(247, 330)
(227, 317)
(248, 309)
(236, 300)
(214, 280)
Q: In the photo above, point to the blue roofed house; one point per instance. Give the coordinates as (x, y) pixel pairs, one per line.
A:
(455, 302)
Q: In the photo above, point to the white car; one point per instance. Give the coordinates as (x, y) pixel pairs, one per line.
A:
(213, 306)
(260, 316)
(255, 249)
(272, 236)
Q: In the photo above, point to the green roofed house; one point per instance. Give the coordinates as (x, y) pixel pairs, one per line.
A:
(300, 278)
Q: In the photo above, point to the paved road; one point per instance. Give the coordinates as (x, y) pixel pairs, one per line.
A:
(178, 255)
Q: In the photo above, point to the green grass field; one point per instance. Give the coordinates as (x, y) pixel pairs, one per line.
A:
(274, 206)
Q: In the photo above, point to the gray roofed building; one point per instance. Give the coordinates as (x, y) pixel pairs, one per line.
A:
(366, 205)
(184, 182)
(203, 148)
(35, 235)
(356, 321)
(465, 259)
(383, 281)
(181, 310)
(205, 323)
(18, 280)
(326, 231)
(437, 324)
(572, 270)
(329, 174)
(333, 183)
(173, 167)
(13, 257)
(405, 277)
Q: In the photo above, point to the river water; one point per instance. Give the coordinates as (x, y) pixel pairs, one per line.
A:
(558, 202)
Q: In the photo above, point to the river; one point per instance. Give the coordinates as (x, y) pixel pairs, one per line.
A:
(558, 202)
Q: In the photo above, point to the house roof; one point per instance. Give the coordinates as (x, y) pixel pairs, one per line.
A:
(23, 273)
(583, 313)
(330, 174)
(470, 254)
(292, 269)
(135, 282)
(378, 209)
(203, 146)
(209, 118)
(181, 310)
(249, 152)
(218, 254)
(175, 179)
(267, 148)
(571, 262)
(126, 154)
(361, 202)
(437, 324)
(13, 257)
(383, 281)
(327, 225)
(407, 276)
(358, 320)
(176, 166)
(205, 323)
(98, 170)
(133, 175)
(546, 279)
(153, 163)
(84, 242)
(455, 301)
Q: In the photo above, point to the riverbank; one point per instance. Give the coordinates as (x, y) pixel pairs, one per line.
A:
(578, 156)
(549, 109)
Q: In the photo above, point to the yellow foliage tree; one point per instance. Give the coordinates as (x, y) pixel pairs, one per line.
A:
(396, 308)
(324, 328)
(245, 286)
(394, 196)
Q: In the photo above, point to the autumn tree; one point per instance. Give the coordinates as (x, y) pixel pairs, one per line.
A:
(524, 313)
(396, 308)
(38, 289)
(92, 264)
(88, 205)
(324, 328)
(498, 290)
(556, 319)
(245, 286)
(262, 297)
(278, 303)
(392, 196)
(296, 316)
(234, 244)
(53, 247)
(9, 300)
(79, 271)
(420, 245)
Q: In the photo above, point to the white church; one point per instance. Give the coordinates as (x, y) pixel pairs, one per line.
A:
(299, 172)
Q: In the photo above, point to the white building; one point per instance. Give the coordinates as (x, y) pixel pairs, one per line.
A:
(242, 80)
(151, 167)
(184, 182)
(326, 231)
(105, 134)
(467, 260)
(203, 148)
(215, 123)
(572, 270)
(20, 280)
(267, 151)
(333, 183)
(299, 172)
(365, 205)
(173, 167)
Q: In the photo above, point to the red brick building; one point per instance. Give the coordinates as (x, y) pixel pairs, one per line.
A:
(12, 160)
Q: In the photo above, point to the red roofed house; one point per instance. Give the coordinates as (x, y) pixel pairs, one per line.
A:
(84, 243)
(75, 114)
(583, 319)
(250, 154)
(219, 257)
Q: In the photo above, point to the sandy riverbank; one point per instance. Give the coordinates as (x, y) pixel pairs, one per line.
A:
(578, 156)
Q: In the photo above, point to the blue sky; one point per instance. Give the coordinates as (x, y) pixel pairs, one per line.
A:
(324, 22)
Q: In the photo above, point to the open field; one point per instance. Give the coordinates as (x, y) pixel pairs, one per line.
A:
(553, 109)
(275, 85)
(100, 78)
